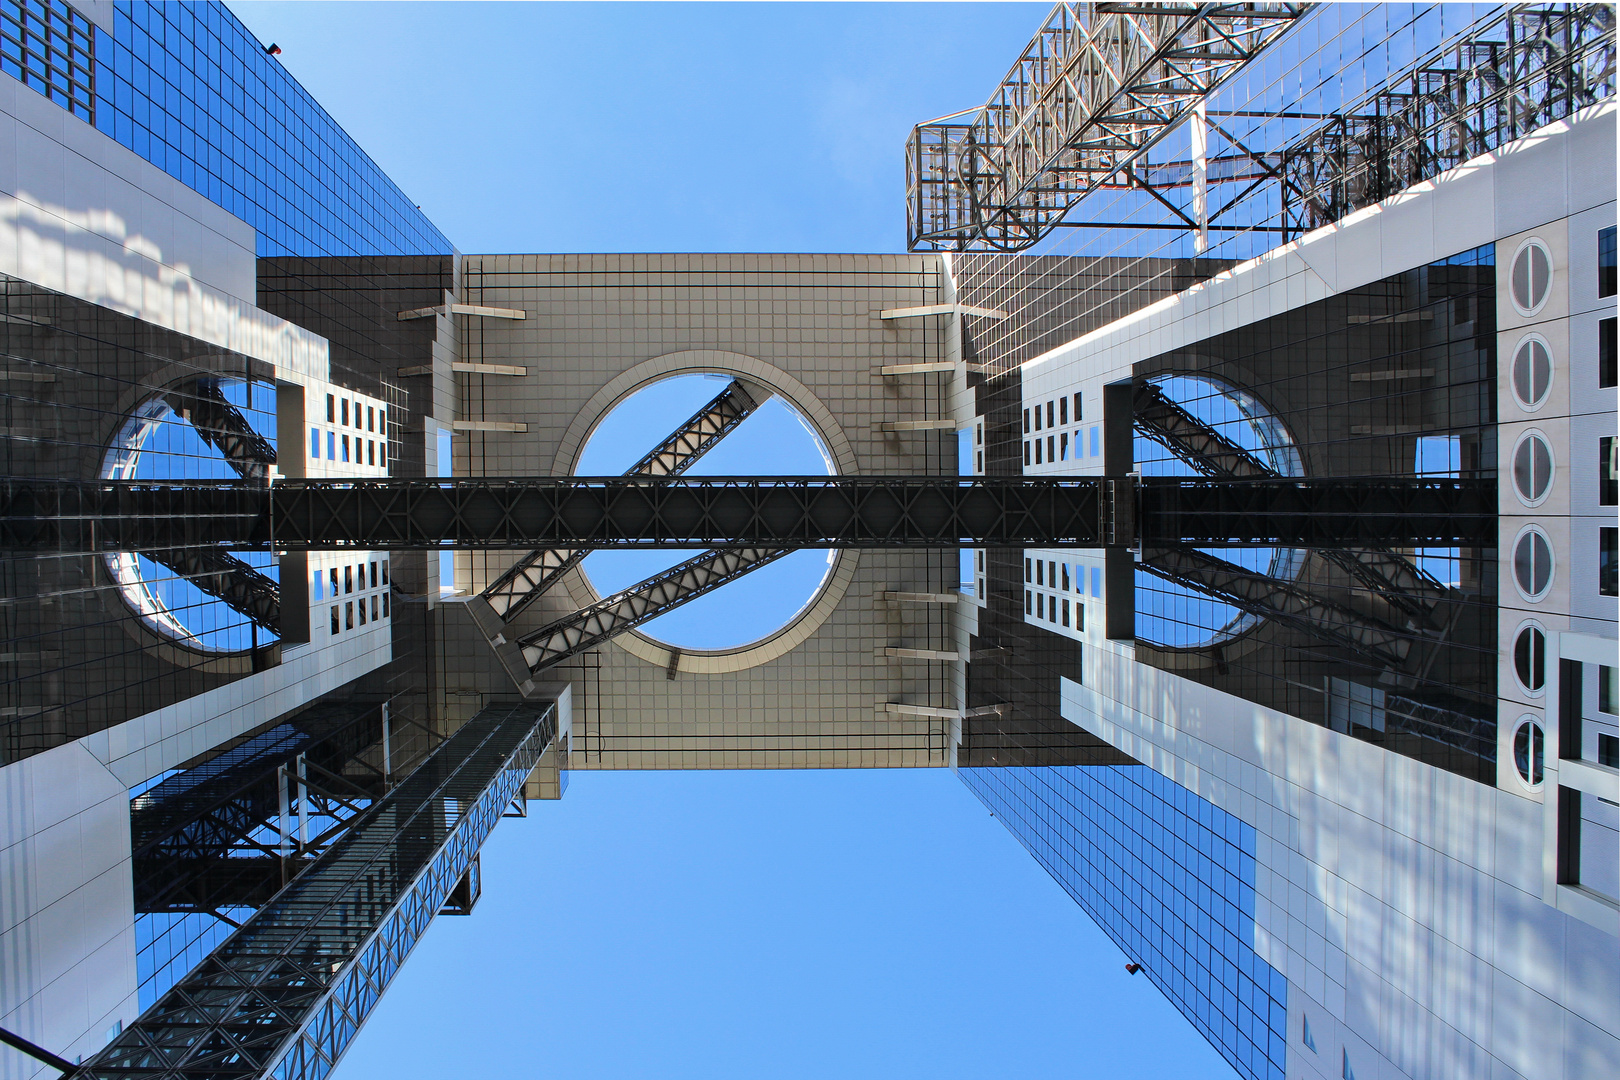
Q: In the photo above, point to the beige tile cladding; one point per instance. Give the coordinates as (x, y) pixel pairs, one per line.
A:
(813, 318)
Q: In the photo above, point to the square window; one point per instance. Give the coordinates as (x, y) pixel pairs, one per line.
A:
(1609, 561)
(348, 615)
(1606, 266)
(1606, 353)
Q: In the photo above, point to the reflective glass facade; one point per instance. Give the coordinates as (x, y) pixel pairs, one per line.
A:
(190, 89)
(1169, 877)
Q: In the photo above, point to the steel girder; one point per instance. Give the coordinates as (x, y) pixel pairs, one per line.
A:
(222, 426)
(531, 576)
(1098, 86)
(1517, 71)
(787, 512)
(608, 618)
(284, 995)
(1280, 601)
(222, 575)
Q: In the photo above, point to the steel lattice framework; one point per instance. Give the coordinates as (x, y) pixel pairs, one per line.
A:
(1098, 86)
(531, 576)
(1520, 70)
(786, 512)
(222, 575)
(608, 618)
(221, 425)
(283, 996)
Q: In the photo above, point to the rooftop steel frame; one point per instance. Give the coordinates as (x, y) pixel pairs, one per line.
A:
(1098, 86)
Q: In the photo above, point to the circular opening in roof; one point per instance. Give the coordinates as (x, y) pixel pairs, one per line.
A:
(159, 441)
(1200, 425)
(774, 439)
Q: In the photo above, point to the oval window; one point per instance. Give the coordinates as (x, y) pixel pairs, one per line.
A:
(1532, 563)
(1532, 276)
(1532, 468)
(1529, 749)
(1530, 658)
(1532, 372)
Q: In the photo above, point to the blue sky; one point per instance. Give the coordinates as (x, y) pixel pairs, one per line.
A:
(717, 925)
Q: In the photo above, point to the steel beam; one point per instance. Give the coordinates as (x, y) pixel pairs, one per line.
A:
(531, 576)
(222, 575)
(222, 426)
(1098, 86)
(1280, 601)
(608, 618)
(284, 995)
(787, 512)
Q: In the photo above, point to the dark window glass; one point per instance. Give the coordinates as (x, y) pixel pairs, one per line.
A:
(1609, 561)
(371, 418)
(1026, 421)
(1608, 751)
(385, 571)
(335, 626)
(1608, 689)
(348, 579)
(374, 574)
(1530, 658)
(334, 581)
(1608, 472)
(1606, 353)
(1049, 414)
(385, 605)
(1040, 572)
(331, 409)
(1606, 261)
(1077, 408)
(1026, 453)
(1029, 573)
(1037, 418)
(1029, 602)
(345, 412)
(1063, 410)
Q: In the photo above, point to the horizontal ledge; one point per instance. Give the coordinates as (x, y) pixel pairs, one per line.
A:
(897, 653)
(940, 309)
(1396, 373)
(920, 597)
(897, 708)
(917, 425)
(916, 369)
(465, 309)
(487, 425)
(27, 376)
(1400, 316)
(489, 369)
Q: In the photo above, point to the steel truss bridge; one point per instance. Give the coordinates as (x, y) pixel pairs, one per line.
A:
(1100, 85)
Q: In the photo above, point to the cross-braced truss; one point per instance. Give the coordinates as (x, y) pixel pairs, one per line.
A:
(222, 426)
(222, 575)
(1098, 86)
(1523, 68)
(787, 512)
(284, 995)
(608, 618)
